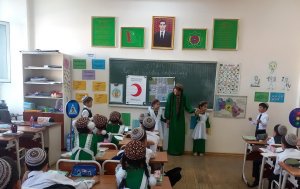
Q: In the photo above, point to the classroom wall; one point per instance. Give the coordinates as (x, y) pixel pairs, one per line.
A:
(268, 30)
(15, 12)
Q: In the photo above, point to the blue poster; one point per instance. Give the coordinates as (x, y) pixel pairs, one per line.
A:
(277, 97)
(98, 64)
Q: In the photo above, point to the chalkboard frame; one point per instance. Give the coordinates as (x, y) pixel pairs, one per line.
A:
(121, 67)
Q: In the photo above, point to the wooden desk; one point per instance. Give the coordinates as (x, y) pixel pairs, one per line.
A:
(13, 141)
(292, 171)
(109, 182)
(127, 140)
(160, 157)
(50, 138)
(248, 147)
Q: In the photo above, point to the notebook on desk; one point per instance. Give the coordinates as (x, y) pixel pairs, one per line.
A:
(249, 137)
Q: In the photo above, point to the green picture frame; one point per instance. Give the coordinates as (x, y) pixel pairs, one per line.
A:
(194, 38)
(225, 34)
(103, 32)
(132, 37)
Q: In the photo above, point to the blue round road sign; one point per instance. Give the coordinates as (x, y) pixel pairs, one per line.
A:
(295, 117)
(72, 109)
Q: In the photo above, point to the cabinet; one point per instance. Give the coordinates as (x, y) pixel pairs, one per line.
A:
(47, 86)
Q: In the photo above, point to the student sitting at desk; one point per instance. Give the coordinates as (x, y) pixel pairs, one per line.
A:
(139, 134)
(133, 172)
(279, 132)
(289, 146)
(148, 125)
(9, 174)
(85, 144)
(100, 127)
(114, 125)
(36, 161)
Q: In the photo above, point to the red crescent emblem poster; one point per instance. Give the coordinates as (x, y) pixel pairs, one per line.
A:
(136, 90)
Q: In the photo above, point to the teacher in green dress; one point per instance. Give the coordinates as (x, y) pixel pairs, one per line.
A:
(177, 102)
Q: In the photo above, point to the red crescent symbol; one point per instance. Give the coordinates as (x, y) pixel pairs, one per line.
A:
(139, 89)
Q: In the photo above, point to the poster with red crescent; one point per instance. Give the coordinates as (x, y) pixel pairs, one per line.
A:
(136, 90)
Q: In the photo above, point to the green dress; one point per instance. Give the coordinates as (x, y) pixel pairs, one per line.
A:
(86, 146)
(199, 144)
(134, 178)
(177, 123)
(113, 128)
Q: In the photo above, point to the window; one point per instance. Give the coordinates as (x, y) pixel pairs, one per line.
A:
(4, 52)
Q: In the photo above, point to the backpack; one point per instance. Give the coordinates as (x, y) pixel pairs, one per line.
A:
(174, 175)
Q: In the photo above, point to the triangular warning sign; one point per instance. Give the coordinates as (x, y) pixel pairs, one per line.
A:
(73, 110)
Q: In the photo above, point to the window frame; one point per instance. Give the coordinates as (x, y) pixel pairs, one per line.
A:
(8, 63)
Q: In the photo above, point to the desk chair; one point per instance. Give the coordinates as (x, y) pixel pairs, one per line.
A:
(67, 164)
(109, 167)
(283, 177)
(110, 146)
(5, 116)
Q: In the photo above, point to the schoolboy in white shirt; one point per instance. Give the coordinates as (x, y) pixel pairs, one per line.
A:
(289, 146)
(262, 119)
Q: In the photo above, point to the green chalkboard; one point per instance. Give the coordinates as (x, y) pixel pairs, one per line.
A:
(197, 77)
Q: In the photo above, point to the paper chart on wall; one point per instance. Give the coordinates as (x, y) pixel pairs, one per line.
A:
(136, 89)
(228, 79)
(116, 92)
(160, 87)
(230, 106)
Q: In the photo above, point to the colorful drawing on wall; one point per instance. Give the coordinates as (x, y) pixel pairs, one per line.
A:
(79, 85)
(261, 97)
(285, 83)
(276, 97)
(255, 82)
(79, 63)
(88, 75)
(99, 86)
(160, 87)
(98, 64)
(136, 89)
(228, 79)
(116, 93)
(100, 98)
(79, 96)
(194, 38)
(230, 106)
(271, 79)
(132, 37)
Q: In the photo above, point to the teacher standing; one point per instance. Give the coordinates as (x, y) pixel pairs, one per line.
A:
(174, 113)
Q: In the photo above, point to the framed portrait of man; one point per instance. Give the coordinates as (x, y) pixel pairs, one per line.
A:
(163, 28)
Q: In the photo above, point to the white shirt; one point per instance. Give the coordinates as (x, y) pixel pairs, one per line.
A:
(286, 154)
(40, 179)
(153, 137)
(85, 113)
(264, 121)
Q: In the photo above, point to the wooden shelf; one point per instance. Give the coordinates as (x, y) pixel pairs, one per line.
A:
(46, 97)
(43, 68)
(43, 83)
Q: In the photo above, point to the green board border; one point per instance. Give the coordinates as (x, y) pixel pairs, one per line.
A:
(225, 34)
(194, 38)
(132, 37)
(103, 31)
